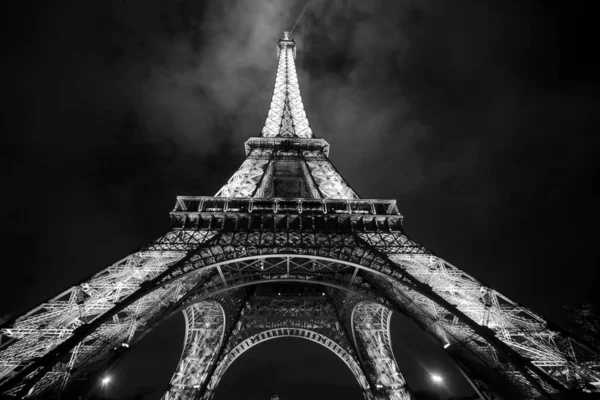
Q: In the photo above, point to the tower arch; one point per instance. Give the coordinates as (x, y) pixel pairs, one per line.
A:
(351, 274)
(205, 327)
(340, 350)
(370, 327)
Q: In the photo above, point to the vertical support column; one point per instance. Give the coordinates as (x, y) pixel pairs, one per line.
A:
(371, 333)
(370, 339)
(207, 326)
(204, 326)
(221, 362)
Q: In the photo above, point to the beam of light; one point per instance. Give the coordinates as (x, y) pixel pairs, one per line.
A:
(447, 345)
(300, 16)
(436, 378)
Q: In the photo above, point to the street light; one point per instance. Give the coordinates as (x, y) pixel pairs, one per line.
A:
(438, 381)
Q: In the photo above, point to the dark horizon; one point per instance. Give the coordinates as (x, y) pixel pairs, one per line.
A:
(478, 117)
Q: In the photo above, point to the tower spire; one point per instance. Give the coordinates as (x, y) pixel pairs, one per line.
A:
(286, 117)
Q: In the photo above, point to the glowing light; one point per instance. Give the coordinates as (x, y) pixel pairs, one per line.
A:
(436, 378)
(447, 345)
(105, 380)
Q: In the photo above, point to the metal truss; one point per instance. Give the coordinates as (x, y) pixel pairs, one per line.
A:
(43, 328)
(287, 135)
(207, 324)
(243, 182)
(205, 328)
(371, 333)
(498, 341)
(286, 117)
(554, 353)
(289, 315)
(254, 177)
(300, 333)
(219, 250)
(330, 182)
(316, 318)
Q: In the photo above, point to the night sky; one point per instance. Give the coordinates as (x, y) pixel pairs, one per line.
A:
(480, 117)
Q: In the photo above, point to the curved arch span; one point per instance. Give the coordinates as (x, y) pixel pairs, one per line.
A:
(370, 327)
(333, 284)
(175, 285)
(300, 333)
(205, 325)
(173, 289)
(381, 317)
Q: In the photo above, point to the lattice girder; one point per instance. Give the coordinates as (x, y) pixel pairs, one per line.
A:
(370, 327)
(244, 181)
(207, 325)
(46, 326)
(518, 327)
(300, 333)
(345, 260)
(288, 316)
(286, 116)
(255, 175)
(330, 182)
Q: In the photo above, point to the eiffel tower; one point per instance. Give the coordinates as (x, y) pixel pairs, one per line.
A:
(286, 248)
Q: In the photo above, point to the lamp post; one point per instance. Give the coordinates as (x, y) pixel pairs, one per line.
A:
(438, 381)
(104, 384)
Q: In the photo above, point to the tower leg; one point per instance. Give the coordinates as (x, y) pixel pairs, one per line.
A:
(207, 325)
(367, 324)
(371, 330)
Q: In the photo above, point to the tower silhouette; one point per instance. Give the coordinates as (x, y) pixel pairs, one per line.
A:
(286, 248)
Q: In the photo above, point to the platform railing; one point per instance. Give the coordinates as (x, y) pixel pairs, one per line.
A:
(207, 204)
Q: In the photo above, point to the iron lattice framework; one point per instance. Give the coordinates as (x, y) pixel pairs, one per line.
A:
(287, 248)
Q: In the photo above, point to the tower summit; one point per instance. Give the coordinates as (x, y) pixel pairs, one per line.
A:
(286, 248)
(287, 161)
(286, 116)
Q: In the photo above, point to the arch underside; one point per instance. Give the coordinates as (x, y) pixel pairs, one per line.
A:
(283, 311)
(506, 348)
(206, 325)
(339, 349)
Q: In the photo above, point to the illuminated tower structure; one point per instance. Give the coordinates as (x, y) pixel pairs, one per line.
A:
(286, 248)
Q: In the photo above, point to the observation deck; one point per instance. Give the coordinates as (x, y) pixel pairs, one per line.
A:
(230, 213)
(286, 144)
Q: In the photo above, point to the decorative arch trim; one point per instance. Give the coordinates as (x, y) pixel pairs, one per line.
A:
(300, 333)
